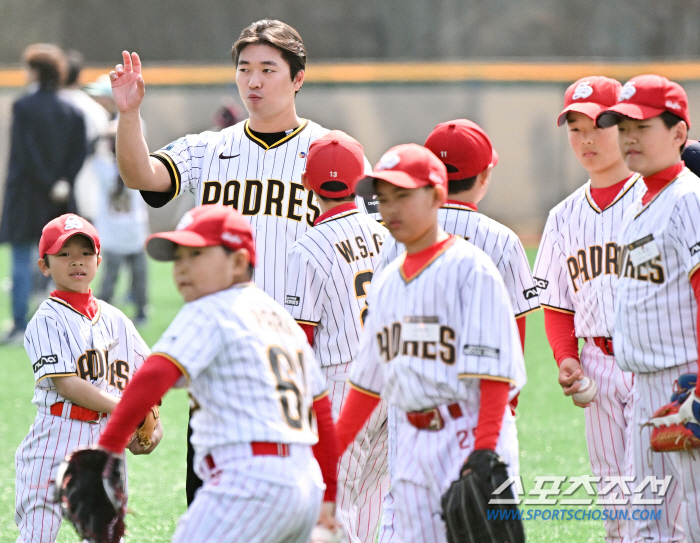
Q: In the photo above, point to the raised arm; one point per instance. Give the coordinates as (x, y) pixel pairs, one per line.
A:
(137, 168)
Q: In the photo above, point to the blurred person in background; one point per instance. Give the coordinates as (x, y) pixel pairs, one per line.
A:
(100, 91)
(47, 150)
(96, 124)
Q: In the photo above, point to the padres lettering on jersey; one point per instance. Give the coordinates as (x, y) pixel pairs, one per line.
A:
(248, 367)
(62, 342)
(577, 264)
(328, 273)
(429, 340)
(497, 241)
(263, 182)
(655, 309)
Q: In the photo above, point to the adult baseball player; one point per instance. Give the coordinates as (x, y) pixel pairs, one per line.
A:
(439, 337)
(655, 333)
(576, 271)
(253, 378)
(254, 166)
(467, 152)
(83, 352)
(329, 270)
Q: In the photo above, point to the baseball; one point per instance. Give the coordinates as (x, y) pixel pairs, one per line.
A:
(321, 534)
(586, 391)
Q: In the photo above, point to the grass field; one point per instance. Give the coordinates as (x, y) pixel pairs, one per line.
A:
(551, 432)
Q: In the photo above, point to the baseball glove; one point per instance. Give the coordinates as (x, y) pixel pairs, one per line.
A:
(90, 492)
(145, 430)
(671, 433)
(465, 505)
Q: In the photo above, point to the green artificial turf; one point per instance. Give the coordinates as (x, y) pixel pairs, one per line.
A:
(551, 431)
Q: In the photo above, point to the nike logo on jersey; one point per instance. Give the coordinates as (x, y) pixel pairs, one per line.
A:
(226, 157)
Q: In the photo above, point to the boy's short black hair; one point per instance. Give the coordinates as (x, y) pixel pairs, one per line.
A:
(461, 185)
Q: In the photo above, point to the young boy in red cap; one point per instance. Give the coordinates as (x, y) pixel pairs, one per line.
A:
(83, 353)
(329, 269)
(575, 270)
(656, 307)
(252, 379)
(440, 336)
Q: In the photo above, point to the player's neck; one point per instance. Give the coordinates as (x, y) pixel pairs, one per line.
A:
(277, 123)
(467, 197)
(606, 178)
(327, 206)
(433, 235)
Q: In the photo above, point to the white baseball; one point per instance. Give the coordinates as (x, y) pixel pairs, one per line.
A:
(586, 391)
(321, 534)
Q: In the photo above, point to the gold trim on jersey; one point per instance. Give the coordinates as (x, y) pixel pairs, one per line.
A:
(428, 263)
(322, 395)
(277, 143)
(568, 311)
(167, 161)
(174, 361)
(56, 375)
(485, 376)
(307, 322)
(684, 170)
(596, 207)
(695, 268)
(527, 312)
(363, 390)
(339, 216)
(66, 304)
(458, 207)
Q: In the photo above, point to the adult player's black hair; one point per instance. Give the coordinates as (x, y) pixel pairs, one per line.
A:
(691, 156)
(276, 34)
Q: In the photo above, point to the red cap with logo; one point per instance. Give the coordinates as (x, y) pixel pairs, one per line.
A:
(334, 165)
(57, 231)
(409, 166)
(590, 96)
(204, 226)
(463, 147)
(644, 97)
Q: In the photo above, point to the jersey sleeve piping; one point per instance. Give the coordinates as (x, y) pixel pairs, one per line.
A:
(322, 395)
(695, 268)
(159, 199)
(174, 361)
(527, 312)
(55, 375)
(310, 323)
(363, 390)
(486, 376)
(568, 311)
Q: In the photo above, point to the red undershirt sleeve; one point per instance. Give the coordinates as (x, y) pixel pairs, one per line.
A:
(356, 411)
(151, 382)
(695, 283)
(309, 331)
(326, 450)
(494, 397)
(521, 330)
(561, 334)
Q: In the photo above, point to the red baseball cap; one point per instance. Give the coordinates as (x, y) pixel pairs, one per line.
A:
(409, 166)
(335, 161)
(57, 231)
(590, 96)
(644, 97)
(204, 226)
(463, 147)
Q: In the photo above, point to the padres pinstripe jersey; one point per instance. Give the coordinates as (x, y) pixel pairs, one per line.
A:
(497, 241)
(576, 266)
(426, 337)
(655, 308)
(263, 182)
(328, 273)
(60, 342)
(249, 369)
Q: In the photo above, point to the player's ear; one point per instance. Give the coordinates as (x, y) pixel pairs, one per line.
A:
(304, 182)
(680, 133)
(99, 260)
(43, 267)
(484, 178)
(241, 261)
(298, 80)
(440, 195)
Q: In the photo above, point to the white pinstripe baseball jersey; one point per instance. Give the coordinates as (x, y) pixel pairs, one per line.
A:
(249, 370)
(60, 342)
(428, 341)
(328, 273)
(576, 264)
(233, 167)
(655, 308)
(496, 240)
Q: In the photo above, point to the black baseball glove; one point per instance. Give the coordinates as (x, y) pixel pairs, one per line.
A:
(90, 491)
(465, 506)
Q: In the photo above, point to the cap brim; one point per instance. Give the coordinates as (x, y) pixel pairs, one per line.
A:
(589, 109)
(162, 246)
(611, 116)
(56, 246)
(365, 187)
